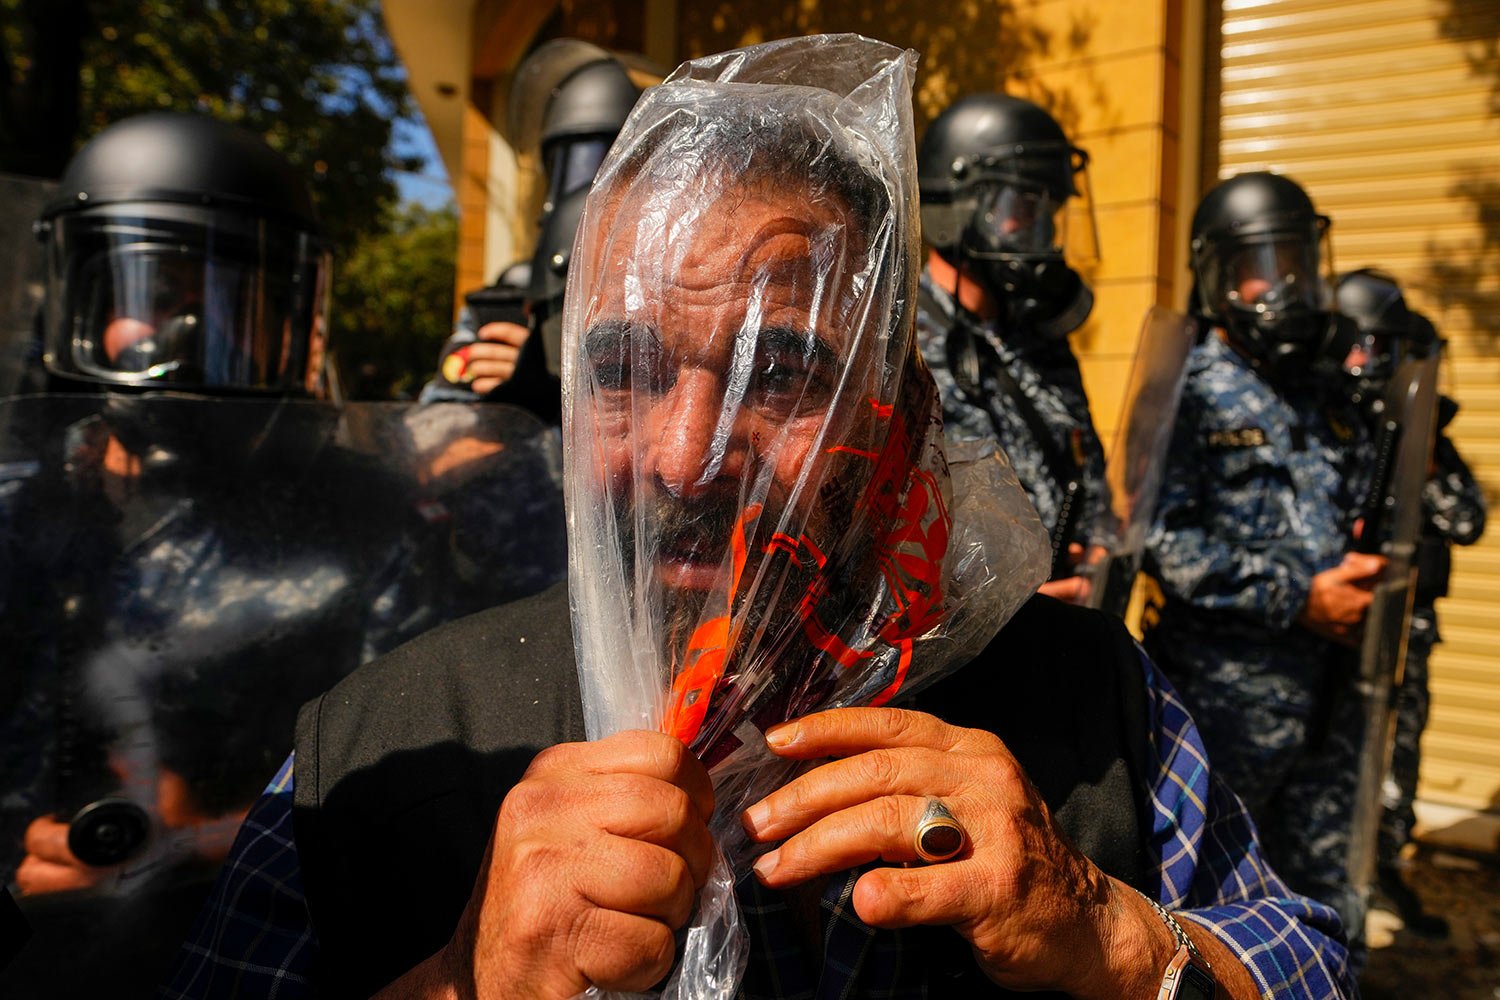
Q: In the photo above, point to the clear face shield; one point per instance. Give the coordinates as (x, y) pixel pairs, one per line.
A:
(134, 301)
(571, 165)
(1269, 277)
(1371, 355)
(1030, 222)
(1019, 208)
(1368, 361)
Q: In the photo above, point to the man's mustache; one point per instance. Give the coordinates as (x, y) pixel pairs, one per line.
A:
(694, 529)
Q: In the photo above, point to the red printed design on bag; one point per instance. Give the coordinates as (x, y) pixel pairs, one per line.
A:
(901, 527)
(707, 650)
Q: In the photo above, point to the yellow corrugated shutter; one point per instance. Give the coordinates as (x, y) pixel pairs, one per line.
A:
(1388, 112)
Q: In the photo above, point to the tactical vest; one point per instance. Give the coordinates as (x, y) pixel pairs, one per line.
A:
(402, 767)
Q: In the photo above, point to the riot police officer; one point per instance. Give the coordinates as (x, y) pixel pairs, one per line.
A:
(1001, 187)
(1265, 473)
(1453, 513)
(189, 570)
(569, 101)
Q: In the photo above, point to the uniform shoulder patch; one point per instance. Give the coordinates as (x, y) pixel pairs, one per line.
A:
(1238, 437)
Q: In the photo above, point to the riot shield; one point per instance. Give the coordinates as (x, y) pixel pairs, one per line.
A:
(1135, 463)
(179, 574)
(22, 275)
(1409, 427)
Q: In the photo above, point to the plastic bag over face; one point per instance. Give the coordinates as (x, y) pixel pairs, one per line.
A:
(761, 519)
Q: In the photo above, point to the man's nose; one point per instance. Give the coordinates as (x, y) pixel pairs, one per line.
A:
(1252, 290)
(689, 450)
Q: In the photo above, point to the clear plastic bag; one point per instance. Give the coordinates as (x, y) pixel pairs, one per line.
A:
(762, 521)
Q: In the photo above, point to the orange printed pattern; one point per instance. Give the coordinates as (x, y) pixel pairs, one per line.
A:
(708, 649)
(903, 512)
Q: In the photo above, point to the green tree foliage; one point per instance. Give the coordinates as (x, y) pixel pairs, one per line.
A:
(317, 78)
(393, 303)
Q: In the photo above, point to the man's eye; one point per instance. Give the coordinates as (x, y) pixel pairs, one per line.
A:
(783, 385)
(612, 375)
(630, 373)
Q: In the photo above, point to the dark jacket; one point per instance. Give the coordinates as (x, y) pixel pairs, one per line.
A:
(402, 767)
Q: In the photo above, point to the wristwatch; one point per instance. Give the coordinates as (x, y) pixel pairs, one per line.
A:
(1186, 978)
(1188, 975)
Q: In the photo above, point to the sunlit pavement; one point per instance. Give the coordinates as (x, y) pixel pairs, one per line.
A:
(1403, 965)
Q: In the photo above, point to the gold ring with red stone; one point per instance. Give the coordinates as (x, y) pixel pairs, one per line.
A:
(939, 836)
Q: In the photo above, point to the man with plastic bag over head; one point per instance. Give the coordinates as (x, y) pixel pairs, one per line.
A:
(768, 553)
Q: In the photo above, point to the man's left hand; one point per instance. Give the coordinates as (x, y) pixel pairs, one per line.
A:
(1078, 588)
(1038, 914)
(49, 866)
(1072, 589)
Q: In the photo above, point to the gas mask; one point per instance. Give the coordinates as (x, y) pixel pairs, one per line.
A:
(1011, 246)
(1272, 300)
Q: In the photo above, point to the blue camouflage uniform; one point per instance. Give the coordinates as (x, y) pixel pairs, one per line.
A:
(1048, 374)
(1453, 512)
(1258, 495)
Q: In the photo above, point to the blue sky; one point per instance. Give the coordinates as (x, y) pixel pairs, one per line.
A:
(430, 186)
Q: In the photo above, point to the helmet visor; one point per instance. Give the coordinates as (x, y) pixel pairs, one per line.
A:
(1015, 219)
(1265, 276)
(1371, 354)
(571, 166)
(137, 303)
(1290, 267)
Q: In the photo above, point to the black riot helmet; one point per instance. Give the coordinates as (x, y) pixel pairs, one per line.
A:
(569, 102)
(1383, 329)
(1261, 266)
(183, 253)
(1003, 193)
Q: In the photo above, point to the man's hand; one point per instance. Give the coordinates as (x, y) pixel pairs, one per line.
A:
(1038, 914)
(490, 361)
(1340, 598)
(1075, 589)
(49, 866)
(596, 858)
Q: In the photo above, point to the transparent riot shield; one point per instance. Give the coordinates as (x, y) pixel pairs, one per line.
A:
(177, 575)
(22, 275)
(1393, 527)
(1135, 463)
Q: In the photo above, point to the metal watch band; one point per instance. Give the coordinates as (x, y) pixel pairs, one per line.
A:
(1183, 941)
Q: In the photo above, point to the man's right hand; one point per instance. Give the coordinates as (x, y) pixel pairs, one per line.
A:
(490, 361)
(595, 860)
(1340, 598)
